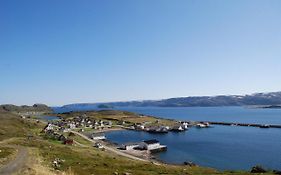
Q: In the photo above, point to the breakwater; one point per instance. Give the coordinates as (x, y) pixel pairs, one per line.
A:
(243, 124)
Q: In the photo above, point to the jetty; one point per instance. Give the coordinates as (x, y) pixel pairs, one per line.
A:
(242, 124)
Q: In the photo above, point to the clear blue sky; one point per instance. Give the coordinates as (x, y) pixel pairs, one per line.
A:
(65, 51)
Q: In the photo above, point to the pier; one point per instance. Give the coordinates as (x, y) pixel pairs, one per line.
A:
(242, 124)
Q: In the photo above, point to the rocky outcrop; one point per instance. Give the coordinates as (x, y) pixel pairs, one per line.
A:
(258, 169)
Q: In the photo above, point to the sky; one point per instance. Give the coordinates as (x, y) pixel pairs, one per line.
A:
(73, 51)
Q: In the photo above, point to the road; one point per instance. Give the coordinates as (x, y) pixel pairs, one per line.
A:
(16, 164)
(111, 149)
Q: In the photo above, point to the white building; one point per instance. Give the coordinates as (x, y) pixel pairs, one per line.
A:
(49, 127)
(130, 146)
(72, 126)
(185, 125)
(98, 136)
(150, 144)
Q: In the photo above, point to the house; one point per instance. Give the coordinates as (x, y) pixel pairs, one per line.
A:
(130, 146)
(68, 142)
(48, 127)
(72, 126)
(185, 125)
(139, 127)
(98, 136)
(107, 123)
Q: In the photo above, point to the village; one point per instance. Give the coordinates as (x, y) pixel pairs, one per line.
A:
(94, 130)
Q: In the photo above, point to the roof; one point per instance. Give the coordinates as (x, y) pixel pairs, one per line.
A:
(98, 134)
(130, 144)
(153, 141)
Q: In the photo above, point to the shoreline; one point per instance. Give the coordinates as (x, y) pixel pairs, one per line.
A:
(149, 156)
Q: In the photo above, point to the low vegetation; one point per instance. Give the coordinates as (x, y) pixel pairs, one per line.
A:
(118, 116)
(6, 153)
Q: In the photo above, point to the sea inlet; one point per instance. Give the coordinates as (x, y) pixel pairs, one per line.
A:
(220, 147)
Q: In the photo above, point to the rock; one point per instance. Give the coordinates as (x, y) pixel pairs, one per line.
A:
(115, 173)
(127, 173)
(189, 163)
(277, 172)
(258, 169)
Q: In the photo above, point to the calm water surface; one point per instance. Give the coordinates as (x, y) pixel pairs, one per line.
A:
(221, 147)
(221, 114)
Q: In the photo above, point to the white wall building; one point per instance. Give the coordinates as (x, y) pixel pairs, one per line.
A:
(150, 144)
(98, 136)
(130, 146)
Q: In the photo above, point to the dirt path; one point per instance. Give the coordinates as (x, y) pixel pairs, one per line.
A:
(111, 149)
(16, 164)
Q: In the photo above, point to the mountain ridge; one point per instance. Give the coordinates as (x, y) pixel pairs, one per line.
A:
(256, 99)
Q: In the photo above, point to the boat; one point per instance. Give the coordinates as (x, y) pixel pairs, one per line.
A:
(264, 126)
(203, 125)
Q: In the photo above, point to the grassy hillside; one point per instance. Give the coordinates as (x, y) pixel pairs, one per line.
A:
(25, 108)
(115, 116)
(12, 126)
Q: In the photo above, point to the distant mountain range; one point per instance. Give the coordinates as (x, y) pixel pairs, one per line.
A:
(257, 99)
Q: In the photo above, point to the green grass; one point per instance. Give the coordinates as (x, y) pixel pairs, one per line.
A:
(12, 125)
(115, 116)
(6, 152)
(84, 161)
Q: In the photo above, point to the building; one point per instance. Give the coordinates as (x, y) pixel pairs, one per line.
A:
(48, 127)
(98, 136)
(178, 128)
(98, 145)
(185, 125)
(68, 142)
(130, 146)
(152, 145)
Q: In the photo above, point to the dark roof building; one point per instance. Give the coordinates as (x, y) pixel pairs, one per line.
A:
(149, 142)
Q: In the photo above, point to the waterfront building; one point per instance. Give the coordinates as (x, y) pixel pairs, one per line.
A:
(98, 136)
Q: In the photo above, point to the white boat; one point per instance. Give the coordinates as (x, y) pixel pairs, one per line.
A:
(201, 125)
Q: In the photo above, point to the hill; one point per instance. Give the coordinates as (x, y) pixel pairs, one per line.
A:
(258, 99)
(25, 108)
